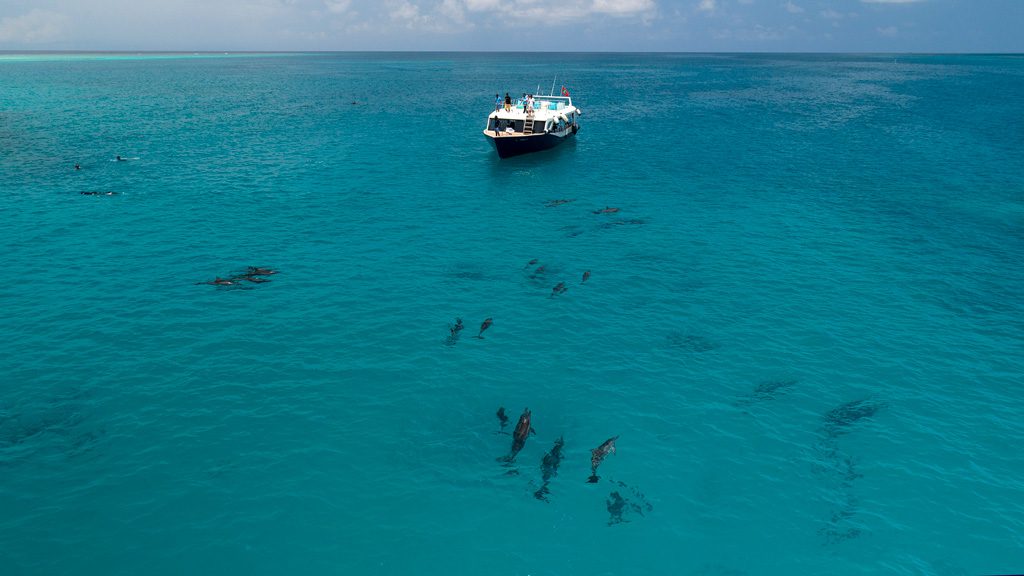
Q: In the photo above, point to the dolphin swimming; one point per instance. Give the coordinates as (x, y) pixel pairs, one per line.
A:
(597, 456)
(483, 327)
(519, 435)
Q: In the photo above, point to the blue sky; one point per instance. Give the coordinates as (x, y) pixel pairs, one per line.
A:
(555, 25)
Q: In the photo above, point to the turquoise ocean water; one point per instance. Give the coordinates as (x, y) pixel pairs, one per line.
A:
(806, 323)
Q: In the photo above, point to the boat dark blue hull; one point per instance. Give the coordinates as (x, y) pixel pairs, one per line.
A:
(514, 145)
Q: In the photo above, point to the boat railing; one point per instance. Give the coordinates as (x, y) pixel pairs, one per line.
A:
(551, 103)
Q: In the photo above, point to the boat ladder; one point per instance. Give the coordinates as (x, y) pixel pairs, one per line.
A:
(528, 126)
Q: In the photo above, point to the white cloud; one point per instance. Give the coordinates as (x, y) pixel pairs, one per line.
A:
(891, 1)
(454, 10)
(481, 5)
(448, 18)
(404, 11)
(545, 11)
(295, 24)
(706, 6)
(621, 7)
(836, 17)
(337, 6)
(793, 8)
(35, 27)
(888, 31)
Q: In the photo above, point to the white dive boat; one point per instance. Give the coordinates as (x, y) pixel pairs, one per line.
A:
(532, 123)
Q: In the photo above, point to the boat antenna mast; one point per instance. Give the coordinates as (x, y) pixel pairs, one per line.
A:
(552, 93)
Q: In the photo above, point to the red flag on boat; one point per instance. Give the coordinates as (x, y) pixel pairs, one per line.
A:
(565, 91)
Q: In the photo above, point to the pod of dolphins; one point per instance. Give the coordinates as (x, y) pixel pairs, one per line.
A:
(523, 429)
(626, 499)
(253, 274)
(553, 458)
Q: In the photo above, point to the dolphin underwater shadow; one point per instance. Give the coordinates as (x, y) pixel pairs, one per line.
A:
(502, 420)
(549, 469)
(840, 419)
(842, 524)
(58, 424)
(453, 332)
(691, 343)
(628, 500)
(768, 390)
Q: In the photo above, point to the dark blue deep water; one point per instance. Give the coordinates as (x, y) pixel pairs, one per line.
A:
(806, 323)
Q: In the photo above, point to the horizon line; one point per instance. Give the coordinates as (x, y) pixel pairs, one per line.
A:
(258, 52)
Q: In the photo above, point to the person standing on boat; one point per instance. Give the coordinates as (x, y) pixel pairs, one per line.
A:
(508, 102)
(497, 102)
(528, 108)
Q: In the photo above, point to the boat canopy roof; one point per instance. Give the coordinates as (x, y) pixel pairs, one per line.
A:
(544, 107)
